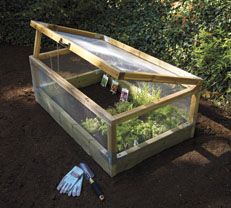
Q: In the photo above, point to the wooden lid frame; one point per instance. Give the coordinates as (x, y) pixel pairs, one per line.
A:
(50, 31)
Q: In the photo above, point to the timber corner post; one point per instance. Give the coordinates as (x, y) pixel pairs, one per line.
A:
(37, 44)
(194, 106)
(112, 147)
(36, 52)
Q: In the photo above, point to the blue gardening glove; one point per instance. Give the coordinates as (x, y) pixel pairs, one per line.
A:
(76, 189)
(70, 179)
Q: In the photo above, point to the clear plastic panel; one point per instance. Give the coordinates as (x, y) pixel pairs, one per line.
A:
(68, 65)
(119, 58)
(160, 89)
(82, 115)
(137, 130)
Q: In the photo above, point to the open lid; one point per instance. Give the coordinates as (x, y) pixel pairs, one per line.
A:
(115, 58)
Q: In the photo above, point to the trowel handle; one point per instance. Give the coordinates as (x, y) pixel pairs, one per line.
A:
(96, 189)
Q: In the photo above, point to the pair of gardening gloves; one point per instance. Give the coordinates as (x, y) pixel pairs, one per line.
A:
(71, 183)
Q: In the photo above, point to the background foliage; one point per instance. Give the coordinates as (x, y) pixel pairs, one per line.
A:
(192, 34)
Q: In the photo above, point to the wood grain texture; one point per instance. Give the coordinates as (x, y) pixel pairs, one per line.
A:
(37, 43)
(53, 53)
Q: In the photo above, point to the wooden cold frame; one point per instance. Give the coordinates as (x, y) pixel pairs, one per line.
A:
(111, 161)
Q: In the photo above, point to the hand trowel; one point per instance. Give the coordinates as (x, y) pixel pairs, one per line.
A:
(89, 176)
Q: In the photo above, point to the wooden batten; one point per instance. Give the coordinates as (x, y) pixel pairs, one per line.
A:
(76, 31)
(49, 54)
(37, 43)
(160, 78)
(86, 79)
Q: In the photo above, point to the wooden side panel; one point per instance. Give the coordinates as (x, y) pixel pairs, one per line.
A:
(86, 79)
(135, 155)
(83, 138)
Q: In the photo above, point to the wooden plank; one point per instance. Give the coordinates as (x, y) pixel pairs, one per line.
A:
(93, 59)
(160, 78)
(154, 105)
(82, 137)
(37, 43)
(53, 53)
(76, 31)
(86, 79)
(49, 105)
(133, 156)
(77, 94)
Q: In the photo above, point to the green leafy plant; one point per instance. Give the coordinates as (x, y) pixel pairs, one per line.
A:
(91, 124)
(139, 129)
(146, 94)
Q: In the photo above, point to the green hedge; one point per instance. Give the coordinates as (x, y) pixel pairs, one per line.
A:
(194, 35)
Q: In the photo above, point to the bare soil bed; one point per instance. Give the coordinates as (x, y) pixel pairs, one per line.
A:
(35, 152)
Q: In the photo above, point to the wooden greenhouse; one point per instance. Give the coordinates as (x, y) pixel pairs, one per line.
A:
(159, 113)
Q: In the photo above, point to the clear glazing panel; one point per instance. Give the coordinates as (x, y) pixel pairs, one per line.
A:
(141, 128)
(82, 115)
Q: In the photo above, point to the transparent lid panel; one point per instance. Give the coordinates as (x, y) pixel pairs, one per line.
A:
(119, 58)
(68, 65)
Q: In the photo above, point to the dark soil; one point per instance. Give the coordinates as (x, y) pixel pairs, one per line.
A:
(102, 97)
(35, 153)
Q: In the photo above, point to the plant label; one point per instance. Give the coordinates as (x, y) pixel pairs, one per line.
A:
(114, 86)
(104, 80)
(124, 94)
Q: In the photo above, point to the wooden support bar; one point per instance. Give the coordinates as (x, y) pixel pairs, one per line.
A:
(76, 31)
(154, 105)
(53, 53)
(111, 140)
(37, 43)
(86, 79)
(81, 97)
(161, 78)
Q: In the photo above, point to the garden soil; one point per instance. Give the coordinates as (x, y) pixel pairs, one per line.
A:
(35, 153)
